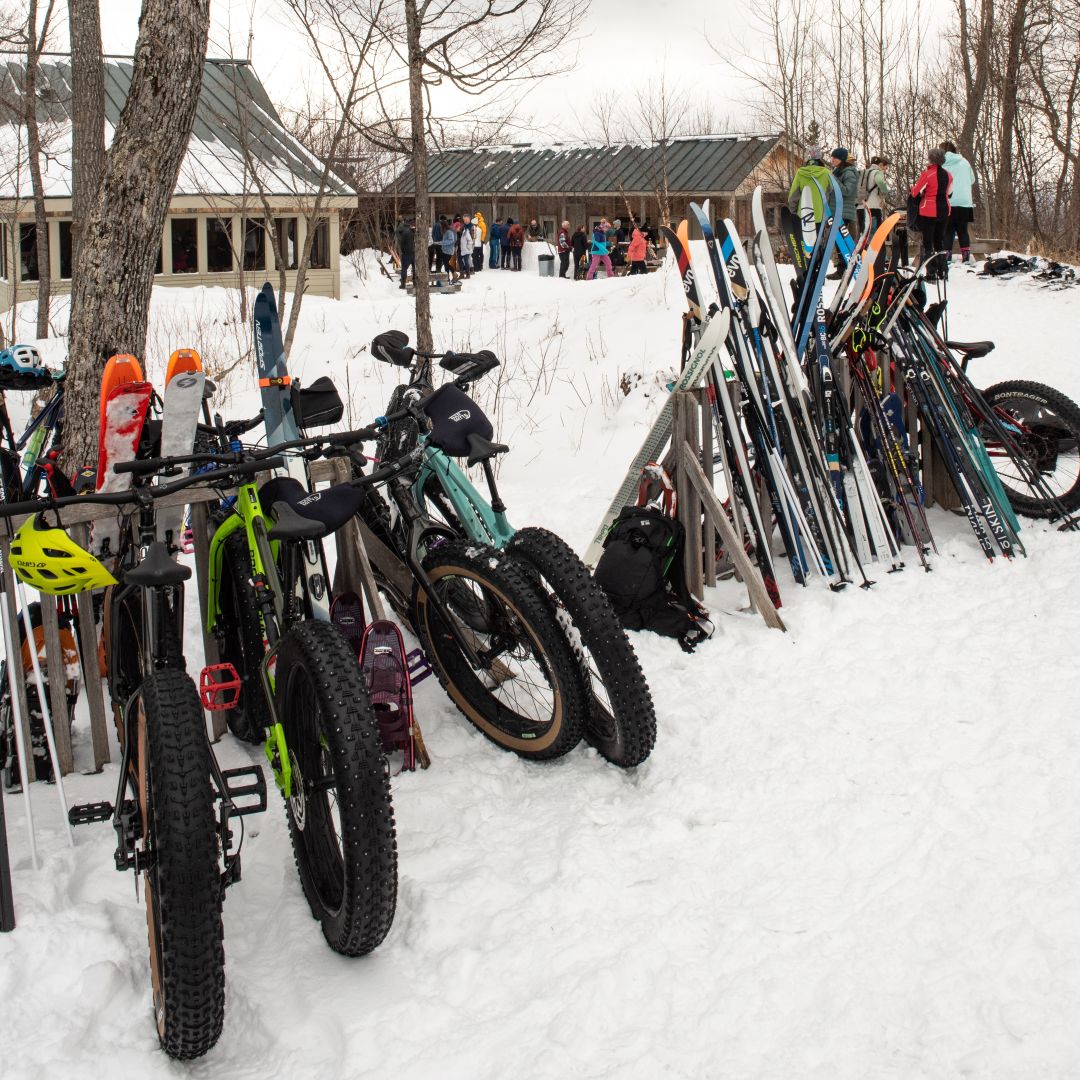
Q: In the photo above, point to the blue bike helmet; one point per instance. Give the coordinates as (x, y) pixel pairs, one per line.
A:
(23, 360)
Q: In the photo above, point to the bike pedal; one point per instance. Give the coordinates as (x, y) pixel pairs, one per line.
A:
(219, 687)
(87, 813)
(419, 666)
(247, 783)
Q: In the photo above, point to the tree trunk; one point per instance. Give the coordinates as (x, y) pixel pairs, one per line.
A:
(114, 271)
(1004, 191)
(33, 150)
(87, 113)
(424, 338)
(974, 47)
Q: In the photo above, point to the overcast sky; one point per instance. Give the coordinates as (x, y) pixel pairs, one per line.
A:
(622, 44)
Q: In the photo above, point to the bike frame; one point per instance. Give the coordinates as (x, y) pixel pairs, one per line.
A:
(276, 568)
(481, 521)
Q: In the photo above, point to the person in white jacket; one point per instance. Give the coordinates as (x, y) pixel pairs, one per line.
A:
(467, 243)
(961, 201)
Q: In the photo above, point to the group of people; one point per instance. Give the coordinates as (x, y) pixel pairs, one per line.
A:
(611, 244)
(940, 203)
(456, 246)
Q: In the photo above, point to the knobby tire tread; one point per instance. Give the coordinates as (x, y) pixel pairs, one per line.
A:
(504, 578)
(186, 877)
(625, 736)
(365, 875)
(242, 641)
(1067, 411)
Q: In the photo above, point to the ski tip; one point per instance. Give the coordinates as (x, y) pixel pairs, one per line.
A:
(182, 362)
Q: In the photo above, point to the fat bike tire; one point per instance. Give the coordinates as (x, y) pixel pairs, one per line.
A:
(241, 635)
(621, 721)
(182, 882)
(340, 814)
(528, 695)
(1050, 441)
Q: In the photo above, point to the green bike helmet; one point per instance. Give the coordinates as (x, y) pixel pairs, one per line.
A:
(52, 562)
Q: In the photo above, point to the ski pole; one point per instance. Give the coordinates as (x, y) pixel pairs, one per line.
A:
(46, 712)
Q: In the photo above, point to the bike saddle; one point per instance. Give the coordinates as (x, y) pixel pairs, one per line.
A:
(305, 515)
(482, 449)
(157, 569)
(971, 349)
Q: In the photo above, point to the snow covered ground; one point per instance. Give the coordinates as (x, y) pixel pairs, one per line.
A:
(853, 853)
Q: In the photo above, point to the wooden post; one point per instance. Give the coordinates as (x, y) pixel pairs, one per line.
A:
(755, 586)
(88, 648)
(57, 676)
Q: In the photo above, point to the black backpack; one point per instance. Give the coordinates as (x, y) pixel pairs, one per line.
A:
(641, 570)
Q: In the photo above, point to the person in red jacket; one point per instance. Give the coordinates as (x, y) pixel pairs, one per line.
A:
(515, 241)
(564, 248)
(932, 189)
(636, 252)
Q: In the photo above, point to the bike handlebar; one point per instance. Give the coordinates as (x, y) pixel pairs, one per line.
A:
(136, 495)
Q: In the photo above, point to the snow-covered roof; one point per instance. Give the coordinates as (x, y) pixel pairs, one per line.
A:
(234, 110)
(703, 164)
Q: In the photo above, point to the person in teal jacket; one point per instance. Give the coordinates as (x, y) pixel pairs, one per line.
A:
(961, 201)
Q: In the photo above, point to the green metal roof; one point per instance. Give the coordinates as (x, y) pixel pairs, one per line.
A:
(709, 164)
(233, 109)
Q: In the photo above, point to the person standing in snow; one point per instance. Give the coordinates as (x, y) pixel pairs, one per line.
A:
(599, 252)
(932, 190)
(636, 252)
(564, 247)
(506, 243)
(580, 244)
(465, 247)
(495, 237)
(449, 245)
(847, 176)
(534, 230)
(515, 239)
(961, 201)
(480, 235)
(406, 245)
(874, 194)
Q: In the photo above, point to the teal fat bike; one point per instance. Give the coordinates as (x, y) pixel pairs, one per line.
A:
(437, 499)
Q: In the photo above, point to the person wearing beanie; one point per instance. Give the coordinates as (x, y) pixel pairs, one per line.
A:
(847, 176)
(932, 189)
(961, 202)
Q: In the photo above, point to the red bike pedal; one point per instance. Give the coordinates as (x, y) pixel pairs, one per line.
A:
(216, 680)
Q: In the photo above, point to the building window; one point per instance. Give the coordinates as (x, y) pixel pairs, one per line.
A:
(185, 245)
(285, 228)
(254, 253)
(3, 251)
(65, 250)
(320, 246)
(219, 258)
(28, 265)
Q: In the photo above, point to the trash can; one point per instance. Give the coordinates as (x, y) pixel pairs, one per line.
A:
(546, 265)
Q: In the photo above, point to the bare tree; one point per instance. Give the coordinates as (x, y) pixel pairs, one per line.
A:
(472, 47)
(87, 112)
(114, 271)
(35, 44)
